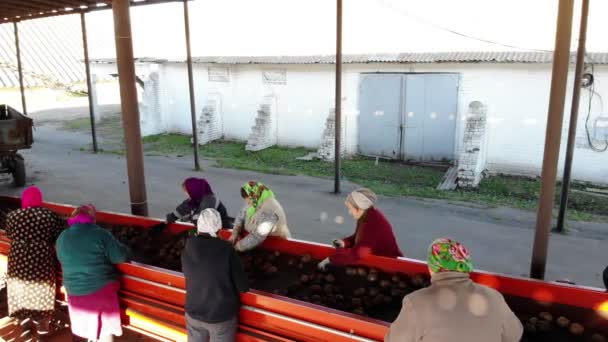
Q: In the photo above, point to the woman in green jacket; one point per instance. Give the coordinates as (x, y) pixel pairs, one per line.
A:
(88, 255)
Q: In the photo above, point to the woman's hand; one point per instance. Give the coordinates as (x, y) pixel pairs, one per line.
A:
(338, 243)
(322, 266)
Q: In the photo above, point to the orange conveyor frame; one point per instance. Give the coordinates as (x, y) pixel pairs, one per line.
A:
(153, 298)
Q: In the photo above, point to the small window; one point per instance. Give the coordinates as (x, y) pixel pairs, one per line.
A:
(274, 76)
(219, 75)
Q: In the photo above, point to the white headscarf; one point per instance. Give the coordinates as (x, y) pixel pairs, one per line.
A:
(209, 222)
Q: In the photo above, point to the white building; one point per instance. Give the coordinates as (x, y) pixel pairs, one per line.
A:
(404, 106)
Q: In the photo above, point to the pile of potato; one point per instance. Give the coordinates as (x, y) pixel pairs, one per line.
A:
(546, 327)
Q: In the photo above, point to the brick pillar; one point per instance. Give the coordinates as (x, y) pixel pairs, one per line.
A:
(472, 159)
(209, 123)
(328, 140)
(149, 107)
(263, 134)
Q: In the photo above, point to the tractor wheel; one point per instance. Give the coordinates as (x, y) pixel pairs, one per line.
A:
(19, 171)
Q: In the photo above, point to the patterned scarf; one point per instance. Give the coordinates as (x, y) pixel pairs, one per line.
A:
(258, 193)
(85, 214)
(446, 255)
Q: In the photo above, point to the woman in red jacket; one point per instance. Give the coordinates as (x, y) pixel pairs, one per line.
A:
(374, 234)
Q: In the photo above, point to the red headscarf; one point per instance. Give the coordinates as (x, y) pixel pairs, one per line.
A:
(31, 198)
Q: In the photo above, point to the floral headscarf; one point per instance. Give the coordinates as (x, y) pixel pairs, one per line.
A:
(85, 214)
(258, 193)
(446, 255)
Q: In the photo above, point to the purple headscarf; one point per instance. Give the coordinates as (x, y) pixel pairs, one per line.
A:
(197, 189)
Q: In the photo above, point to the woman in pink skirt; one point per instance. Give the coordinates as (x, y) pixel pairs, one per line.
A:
(88, 254)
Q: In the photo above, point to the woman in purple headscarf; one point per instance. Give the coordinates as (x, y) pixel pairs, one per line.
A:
(200, 197)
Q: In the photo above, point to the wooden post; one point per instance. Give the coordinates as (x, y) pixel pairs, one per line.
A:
(557, 98)
(129, 106)
(197, 165)
(87, 69)
(338, 99)
(20, 69)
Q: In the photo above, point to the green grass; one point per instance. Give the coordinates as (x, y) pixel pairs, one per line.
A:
(387, 178)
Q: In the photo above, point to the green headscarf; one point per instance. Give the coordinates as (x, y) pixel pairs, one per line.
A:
(446, 255)
(258, 193)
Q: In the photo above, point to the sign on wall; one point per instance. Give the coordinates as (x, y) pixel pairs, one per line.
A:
(274, 76)
(219, 74)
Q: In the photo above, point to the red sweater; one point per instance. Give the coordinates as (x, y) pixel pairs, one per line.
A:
(374, 235)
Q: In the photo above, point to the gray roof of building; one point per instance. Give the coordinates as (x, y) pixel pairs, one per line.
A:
(417, 57)
(51, 53)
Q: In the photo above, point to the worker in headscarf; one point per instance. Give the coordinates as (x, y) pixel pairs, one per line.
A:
(200, 197)
(454, 308)
(606, 277)
(88, 255)
(262, 216)
(31, 275)
(373, 235)
(214, 281)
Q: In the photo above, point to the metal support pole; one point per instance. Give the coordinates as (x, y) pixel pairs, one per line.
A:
(557, 97)
(197, 165)
(129, 106)
(20, 69)
(87, 69)
(338, 104)
(576, 96)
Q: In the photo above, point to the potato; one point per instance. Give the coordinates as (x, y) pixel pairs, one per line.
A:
(361, 271)
(396, 279)
(530, 328)
(359, 292)
(316, 288)
(372, 277)
(543, 325)
(418, 281)
(304, 278)
(351, 271)
(563, 322)
(546, 316)
(330, 278)
(385, 284)
(356, 301)
(576, 329)
(598, 338)
(306, 258)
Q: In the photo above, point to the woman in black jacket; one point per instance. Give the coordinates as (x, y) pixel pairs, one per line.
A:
(214, 282)
(200, 197)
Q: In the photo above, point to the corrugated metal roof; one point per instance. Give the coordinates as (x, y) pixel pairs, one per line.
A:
(422, 57)
(418, 57)
(51, 53)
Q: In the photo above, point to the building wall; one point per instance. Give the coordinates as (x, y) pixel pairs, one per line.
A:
(516, 95)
